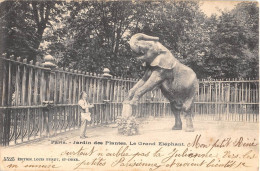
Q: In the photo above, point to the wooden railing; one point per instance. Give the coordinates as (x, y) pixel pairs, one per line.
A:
(38, 101)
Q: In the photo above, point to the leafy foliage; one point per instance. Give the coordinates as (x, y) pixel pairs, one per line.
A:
(127, 126)
(235, 43)
(22, 26)
(91, 35)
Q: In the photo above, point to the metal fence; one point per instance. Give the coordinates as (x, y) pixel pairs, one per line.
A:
(229, 100)
(37, 101)
(223, 100)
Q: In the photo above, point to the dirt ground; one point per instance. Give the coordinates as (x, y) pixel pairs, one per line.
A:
(158, 129)
(151, 130)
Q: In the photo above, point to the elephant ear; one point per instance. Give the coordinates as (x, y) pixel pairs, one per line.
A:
(164, 60)
(134, 44)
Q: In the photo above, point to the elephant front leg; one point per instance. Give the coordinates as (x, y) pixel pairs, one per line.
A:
(154, 80)
(139, 84)
(127, 105)
(133, 90)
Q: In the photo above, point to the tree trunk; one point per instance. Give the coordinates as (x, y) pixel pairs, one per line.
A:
(41, 21)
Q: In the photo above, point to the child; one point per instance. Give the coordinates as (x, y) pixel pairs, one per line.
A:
(84, 113)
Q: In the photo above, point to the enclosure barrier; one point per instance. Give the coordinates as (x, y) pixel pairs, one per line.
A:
(40, 100)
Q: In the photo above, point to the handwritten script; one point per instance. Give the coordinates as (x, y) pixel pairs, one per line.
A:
(201, 152)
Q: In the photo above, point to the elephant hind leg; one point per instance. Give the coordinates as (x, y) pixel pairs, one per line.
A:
(176, 109)
(187, 106)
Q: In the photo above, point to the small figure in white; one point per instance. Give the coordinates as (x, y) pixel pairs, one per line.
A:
(84, 113)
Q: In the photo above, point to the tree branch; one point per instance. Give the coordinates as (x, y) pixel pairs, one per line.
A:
(95, 28)
(47, 13)
(42, 12)
(35, 13)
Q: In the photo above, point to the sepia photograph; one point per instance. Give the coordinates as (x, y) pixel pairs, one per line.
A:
(159, 85)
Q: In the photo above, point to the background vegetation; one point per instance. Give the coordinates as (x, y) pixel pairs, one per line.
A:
(90, 36)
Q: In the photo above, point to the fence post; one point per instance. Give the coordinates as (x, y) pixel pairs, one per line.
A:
(1, 95)
(107, 76)
(47, 113)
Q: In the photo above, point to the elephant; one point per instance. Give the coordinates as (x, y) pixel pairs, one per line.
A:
(177, 82)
